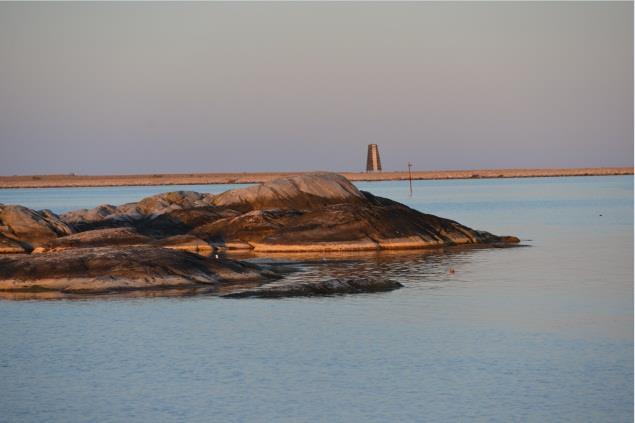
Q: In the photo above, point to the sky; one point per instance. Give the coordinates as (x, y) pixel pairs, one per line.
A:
(110, 88)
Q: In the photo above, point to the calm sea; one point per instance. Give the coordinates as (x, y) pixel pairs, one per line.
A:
(540, 333)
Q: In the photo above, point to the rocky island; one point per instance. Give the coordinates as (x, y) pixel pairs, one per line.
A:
(182, 239)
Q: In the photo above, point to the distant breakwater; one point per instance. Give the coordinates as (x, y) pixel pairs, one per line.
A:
(76, 180)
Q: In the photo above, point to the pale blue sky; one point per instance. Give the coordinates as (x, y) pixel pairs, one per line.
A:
(214, 87)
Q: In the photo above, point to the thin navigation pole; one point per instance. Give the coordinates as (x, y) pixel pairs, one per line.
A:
(410, 177)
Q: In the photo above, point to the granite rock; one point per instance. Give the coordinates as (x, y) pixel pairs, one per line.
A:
(112, 269)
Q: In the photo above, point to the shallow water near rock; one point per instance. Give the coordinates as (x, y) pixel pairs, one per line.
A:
(541, 333)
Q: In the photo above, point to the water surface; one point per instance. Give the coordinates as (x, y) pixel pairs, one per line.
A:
(542, 333)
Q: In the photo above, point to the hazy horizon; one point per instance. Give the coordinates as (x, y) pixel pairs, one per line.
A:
(112, 88)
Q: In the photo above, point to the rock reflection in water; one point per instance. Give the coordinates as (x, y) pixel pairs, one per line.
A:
(426, 268)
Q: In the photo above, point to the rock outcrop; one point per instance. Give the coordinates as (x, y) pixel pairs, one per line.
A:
(140, 245)
(316, 212)
(31, 227)
(9, 245)
(107, 215)
(113, 237)
(306, 192)
(113, 269)
(186, 243)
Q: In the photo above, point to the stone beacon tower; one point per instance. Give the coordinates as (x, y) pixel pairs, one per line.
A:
(373, 163)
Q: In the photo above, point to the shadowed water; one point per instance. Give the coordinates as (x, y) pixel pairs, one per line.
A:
(539, 333)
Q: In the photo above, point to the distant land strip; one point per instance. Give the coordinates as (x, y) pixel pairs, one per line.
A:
(73, 180)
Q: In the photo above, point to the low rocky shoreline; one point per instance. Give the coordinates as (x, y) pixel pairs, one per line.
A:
(178, 240)
(74, 180)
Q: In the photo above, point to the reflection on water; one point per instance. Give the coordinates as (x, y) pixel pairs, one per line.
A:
(423, 268)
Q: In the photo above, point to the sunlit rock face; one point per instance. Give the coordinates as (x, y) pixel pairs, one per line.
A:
(305, 192)
(29, 227)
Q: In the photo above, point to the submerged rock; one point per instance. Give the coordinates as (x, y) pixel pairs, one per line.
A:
(318, 288)
(111, 269)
